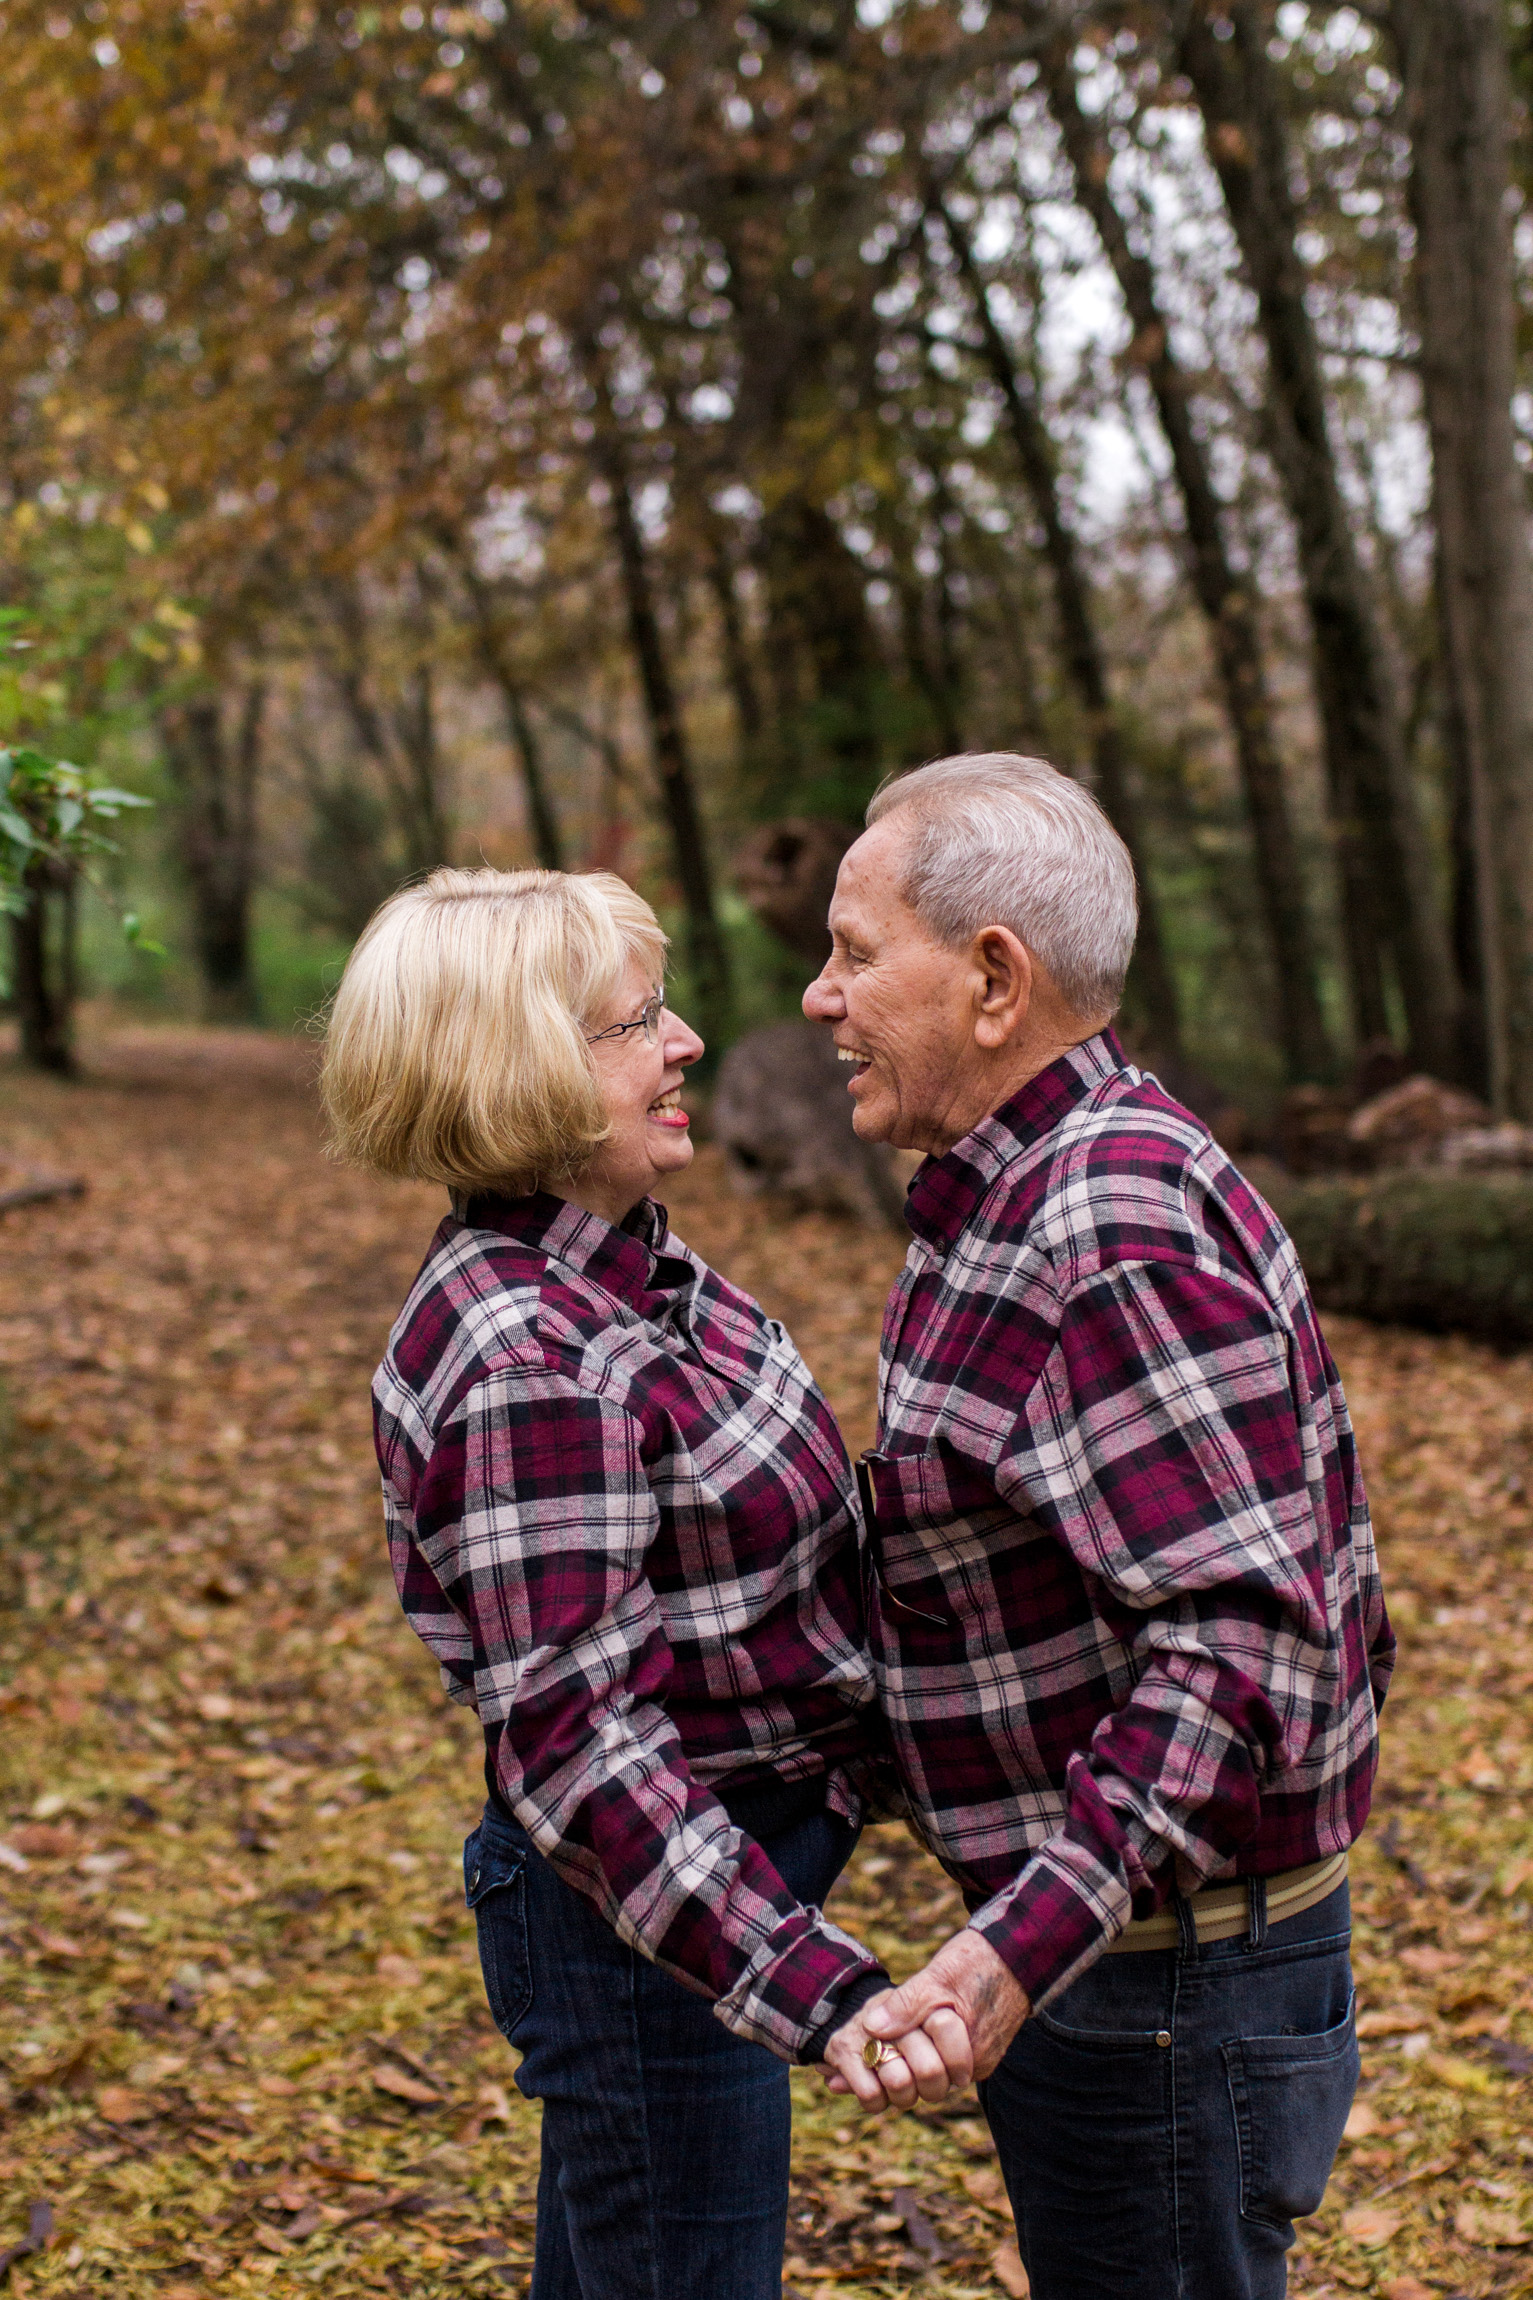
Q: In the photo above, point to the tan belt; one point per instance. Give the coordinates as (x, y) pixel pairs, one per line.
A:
(1223, 1912)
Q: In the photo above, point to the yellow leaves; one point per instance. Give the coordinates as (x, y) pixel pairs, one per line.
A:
(1459, 2075)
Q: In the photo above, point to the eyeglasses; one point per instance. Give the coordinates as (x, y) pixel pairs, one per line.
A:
(648, 1021)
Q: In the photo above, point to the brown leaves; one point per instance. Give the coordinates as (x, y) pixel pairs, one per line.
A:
(1007, 2269)
(311, 2010)
(404, 2086)
(37, 2239)
(1494, 2226)
(1370, 2224)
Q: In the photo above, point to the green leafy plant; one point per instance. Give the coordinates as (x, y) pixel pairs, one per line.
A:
(51, 812)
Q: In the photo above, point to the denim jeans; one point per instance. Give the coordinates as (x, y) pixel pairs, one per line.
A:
(665, 2139)
(1163, 2123)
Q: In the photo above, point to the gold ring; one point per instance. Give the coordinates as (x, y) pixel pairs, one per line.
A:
(875, 2052)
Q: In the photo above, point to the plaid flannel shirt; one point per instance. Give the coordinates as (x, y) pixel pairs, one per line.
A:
(621, 1516)
(1126, 1609)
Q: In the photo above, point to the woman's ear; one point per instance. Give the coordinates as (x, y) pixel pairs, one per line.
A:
(1006, 967)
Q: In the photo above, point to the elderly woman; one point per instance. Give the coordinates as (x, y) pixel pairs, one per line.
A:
(620, 1516)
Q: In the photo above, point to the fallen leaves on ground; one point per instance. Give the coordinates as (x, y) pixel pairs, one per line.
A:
(243, 2038)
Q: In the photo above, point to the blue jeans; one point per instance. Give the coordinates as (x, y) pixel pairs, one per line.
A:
(665, 2139)
(1164, 2122)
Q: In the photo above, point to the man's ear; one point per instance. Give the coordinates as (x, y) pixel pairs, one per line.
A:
(1009, 976)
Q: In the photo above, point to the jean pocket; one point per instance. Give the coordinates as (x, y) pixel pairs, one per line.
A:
(1290, 2095)
(495, 1887)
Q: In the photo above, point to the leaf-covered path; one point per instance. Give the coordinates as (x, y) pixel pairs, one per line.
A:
(242, 2037)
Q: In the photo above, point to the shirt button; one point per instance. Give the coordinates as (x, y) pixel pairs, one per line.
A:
(474, 1879)
(1163, 2036)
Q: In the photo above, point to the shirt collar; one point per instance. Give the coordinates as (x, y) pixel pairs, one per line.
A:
(945, 1192)
(620, 1258)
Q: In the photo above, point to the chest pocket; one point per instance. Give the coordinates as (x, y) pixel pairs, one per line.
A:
(930, 1519)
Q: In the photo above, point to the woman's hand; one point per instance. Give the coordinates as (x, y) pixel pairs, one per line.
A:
(927, 2064)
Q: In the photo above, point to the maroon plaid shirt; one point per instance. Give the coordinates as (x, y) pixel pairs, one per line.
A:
(1127, 1621)
(622, 1518)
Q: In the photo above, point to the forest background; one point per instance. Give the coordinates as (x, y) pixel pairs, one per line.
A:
(585, 435)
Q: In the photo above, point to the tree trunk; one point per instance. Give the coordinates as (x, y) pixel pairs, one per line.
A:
(215, 783)
(43, 968)
(542, 818)
(1454, 69)
(816, 590)
(1085, 662)
(1224, 596)
(741, 677)
(707, 953)
(400, 741)
(1389, 899)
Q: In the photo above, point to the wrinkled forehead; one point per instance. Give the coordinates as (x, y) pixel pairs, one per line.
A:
(868, 884)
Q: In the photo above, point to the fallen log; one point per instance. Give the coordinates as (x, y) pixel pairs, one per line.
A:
(35, 1189)
(1443, 1251)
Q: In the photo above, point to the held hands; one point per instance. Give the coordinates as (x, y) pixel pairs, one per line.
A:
(951, 2023)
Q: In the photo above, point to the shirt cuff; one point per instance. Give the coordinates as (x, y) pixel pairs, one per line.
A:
(849, 2003)
(1054, 1920)
(792, 1989)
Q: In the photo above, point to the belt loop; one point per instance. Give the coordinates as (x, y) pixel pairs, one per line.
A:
(1256, 1895)
(1186, 1925)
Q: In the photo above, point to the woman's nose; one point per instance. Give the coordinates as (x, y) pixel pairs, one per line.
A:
(681, 1042)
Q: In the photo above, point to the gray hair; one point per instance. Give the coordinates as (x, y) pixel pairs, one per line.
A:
(1002, 840)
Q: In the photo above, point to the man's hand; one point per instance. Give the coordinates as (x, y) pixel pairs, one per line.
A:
(965, 1979)
(928, 2066)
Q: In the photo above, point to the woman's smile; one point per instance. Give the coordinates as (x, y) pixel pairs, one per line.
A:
(666, 1110)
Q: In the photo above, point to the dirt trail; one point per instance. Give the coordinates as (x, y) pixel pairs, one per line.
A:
(242, 2034)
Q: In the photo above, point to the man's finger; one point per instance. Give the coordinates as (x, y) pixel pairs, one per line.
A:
(927, 2066)
(949, 2033)
(851, 2074)
(897, 2082)
(909, 2007)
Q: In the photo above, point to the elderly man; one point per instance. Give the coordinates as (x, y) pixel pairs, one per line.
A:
(1126, 1610)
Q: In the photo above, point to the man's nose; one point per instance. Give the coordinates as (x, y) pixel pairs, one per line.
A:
(822, 1002)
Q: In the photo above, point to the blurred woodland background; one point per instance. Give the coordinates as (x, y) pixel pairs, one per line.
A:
(617, 435)
(605, 435)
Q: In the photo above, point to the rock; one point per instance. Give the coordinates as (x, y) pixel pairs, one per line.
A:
(1311, 1135)
(1407, 1125)
(784, 1118)
(786, 873)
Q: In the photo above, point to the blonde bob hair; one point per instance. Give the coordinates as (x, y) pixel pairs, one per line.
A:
(456, 1048)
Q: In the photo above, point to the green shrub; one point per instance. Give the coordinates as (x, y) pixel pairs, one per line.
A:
(1443, 1251)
